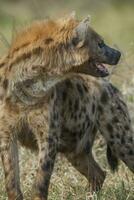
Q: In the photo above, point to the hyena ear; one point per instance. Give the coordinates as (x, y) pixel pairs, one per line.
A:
(72, 15)
(80, 33)
(69, 17)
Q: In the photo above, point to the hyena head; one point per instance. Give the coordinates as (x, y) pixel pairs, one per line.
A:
(69, 45)
(73, 46)
(89, 52)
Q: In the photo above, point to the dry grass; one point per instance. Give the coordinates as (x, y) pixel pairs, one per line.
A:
(68, 184)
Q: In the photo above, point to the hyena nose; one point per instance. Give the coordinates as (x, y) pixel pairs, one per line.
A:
(112, 55)
(116, 57)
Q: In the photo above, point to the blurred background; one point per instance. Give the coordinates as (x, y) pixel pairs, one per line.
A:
(114, 20)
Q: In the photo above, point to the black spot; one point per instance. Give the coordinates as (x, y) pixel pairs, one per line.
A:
(93, 108)
(87, 118)
(94, 98)
(104, 97)
(110, 128)
(124, 132)
(87, 147)
(118, 136)
(50, 140)
(111, 143)
(5, 84)
(126, 127)
(55, 103)
(13, 185)
(113, 88)
(52, 124)
(68, 83)
(75, 41)
(100, 109)
(130, 139)
(80, 115)
(112, 109)
(64, 95)
(55, 116)
(70, 104)
(84, 126)
(72, 116)
(94, 130)
(111, 136)
(80, 89)
(122, 140)
(42, 149)
(115, 120)
(130, 152)
(52, 95)
(48, 40)
(119, 108)
(85, 88)
(122, 154)
(88, 124)
(6, 173)
(75, 117)
(80, 134)
(76, 105)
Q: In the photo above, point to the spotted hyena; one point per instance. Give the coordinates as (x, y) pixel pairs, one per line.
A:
(43, 55)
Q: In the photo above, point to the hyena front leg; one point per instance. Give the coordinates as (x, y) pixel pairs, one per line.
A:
(47, 146)
(47, 154)
(9, 156)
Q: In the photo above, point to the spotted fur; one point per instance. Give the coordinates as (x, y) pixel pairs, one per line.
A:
(58, 127)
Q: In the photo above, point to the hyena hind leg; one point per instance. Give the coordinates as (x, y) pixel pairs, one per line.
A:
(87, 166)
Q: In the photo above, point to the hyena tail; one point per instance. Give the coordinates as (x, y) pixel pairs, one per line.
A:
(112, 159)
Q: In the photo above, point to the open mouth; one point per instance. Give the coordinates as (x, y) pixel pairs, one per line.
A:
(91, 68)
(101, 69)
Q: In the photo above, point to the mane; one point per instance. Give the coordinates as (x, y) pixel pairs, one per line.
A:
(39, 31)
(36, 37)
(32, 34)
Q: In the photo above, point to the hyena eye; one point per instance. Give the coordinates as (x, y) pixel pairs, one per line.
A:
(101, 44)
